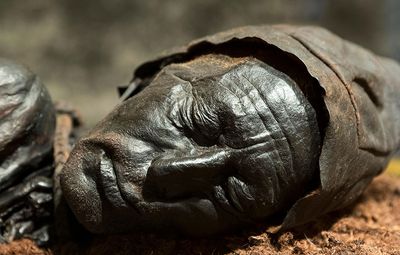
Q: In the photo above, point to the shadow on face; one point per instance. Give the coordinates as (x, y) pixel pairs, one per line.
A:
(200, 150)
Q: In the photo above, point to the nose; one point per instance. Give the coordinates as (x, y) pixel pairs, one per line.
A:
(79, 186)
(96, 185)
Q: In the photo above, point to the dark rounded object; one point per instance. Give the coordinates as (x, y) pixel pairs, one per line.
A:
(27, 125)
(235, 128)
(27, 122)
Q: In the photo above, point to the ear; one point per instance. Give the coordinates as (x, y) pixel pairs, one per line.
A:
(179, 176)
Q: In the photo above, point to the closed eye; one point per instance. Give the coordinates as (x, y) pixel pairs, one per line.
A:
(363, 83)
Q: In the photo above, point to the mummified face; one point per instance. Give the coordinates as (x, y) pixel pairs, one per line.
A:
(210, 144)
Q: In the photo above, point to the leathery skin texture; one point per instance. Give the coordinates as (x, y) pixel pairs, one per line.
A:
(27, 124)
(234, 129)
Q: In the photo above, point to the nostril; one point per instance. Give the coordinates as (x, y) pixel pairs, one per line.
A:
(104, 159)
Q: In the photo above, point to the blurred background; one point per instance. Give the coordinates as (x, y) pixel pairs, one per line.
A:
(82, 50)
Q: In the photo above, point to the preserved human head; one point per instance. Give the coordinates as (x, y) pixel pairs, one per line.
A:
(209, 144)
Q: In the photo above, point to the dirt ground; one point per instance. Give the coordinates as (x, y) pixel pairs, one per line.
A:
(371, 226)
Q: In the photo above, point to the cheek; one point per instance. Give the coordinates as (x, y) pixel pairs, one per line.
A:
(131, 159)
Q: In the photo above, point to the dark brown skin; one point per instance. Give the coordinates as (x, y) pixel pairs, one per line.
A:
(201, 149)
(27, 122)
(235, 128)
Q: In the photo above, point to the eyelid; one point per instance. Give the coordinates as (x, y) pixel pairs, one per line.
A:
(366, 86)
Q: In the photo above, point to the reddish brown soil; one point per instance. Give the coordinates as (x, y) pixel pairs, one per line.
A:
(372, 226)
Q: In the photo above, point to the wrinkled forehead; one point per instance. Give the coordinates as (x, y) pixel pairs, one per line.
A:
(171, 87)
(203, 67)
